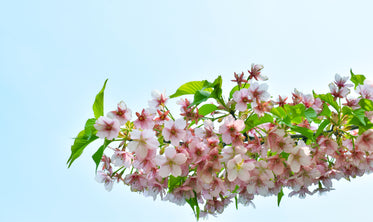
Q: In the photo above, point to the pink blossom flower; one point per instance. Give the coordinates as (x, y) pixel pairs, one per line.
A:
(278, 142)
(137, 181)
(144, 120)
(103, 177)
(308, 100)
(255, 72)
(242, 99)
(366, 91)
(258, 92)
(281, 101)
(142, 141)
(229, 152)
(276, 163)
(297, 97)
(230, 128)
(364, 142)
(352, 102)
(147, 163)
(197, 150)
(159, 99)
(122, 114)
(107, 127)
(239, 79)
(122, 158)
(170, 163)
(341, 81)
(338, 92)
(299, 156)
(237, 168)
(261, 108)
(174, 131)
(207, 131)
(327, 145)
(317, 105)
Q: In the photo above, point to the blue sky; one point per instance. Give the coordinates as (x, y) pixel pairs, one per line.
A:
(55, 56)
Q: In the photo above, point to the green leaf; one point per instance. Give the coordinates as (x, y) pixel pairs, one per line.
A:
(357, 79)
(279, 112)
(346, 110)
(193, 202)
(89, 127)
(207, 109)
(98, 105)
(97, 156)
(237, 88)
(295, 113)
(174, 182)
(200, 96)
(254, 120)
(366, 104)
(217, 92)
(325, 111)
(322, 127)
(81, 142)
(310, 114)
(279, 196)
(304, 131)
(329, 98)
(236, 202)
(360, 115)
(189, 88)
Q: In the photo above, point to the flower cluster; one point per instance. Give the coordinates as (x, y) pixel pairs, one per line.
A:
(230, 150)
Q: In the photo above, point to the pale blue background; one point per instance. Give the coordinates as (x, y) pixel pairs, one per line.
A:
(55, 56)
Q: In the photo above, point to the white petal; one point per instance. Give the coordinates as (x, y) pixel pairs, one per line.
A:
(180, 158)
(141, 152)
(164, 171)
(295, 166)
(170, 152)
(232, 175)
(180, 123)
(244, 175)
(109, 185)
(175, 170)
(132, 145)
(160, 160)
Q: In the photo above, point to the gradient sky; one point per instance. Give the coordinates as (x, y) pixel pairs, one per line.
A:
(55, 56)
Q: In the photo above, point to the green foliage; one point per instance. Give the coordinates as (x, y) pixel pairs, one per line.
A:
(366, 104)
(236, 202)
(357, 79)
(200, 96)
(254, 120)
(80, 143)
(193, 203)
(304, 131)
(207, 109)
(97, 156)
(279, 196)
(174, 182)
(329, 98)
(322, 127)
(310, 114)
(202, 91)
(89, 128)
(279, 112)
(325, 111)
(290, 114)
(217, 92)
(98, 105)
(189, 88)
(295, 113)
